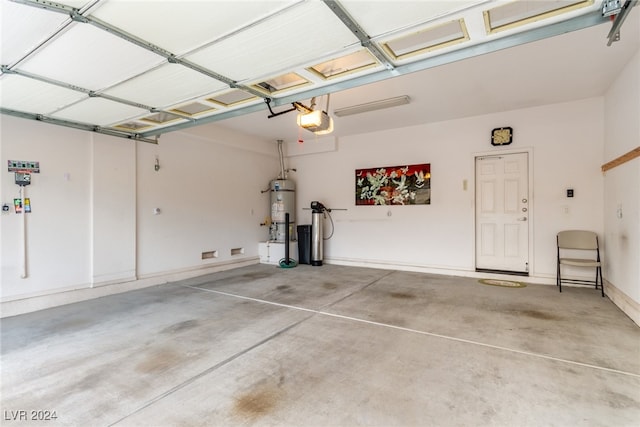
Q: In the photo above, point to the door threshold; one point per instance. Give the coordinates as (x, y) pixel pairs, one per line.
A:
(512, 273)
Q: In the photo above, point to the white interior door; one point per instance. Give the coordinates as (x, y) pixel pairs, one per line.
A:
(502, 213)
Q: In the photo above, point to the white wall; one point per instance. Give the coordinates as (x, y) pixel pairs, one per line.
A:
(209, 198)
(566, 141)
(113, 210)
(622, 189)
(93, 224)
(59, 226)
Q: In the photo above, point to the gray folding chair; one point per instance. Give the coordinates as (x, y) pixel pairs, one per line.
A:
(586, 242)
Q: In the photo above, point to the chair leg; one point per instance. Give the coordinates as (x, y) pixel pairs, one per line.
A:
(559, 279)
(599, 271)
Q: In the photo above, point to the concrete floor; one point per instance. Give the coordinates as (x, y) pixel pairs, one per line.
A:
(325, 346)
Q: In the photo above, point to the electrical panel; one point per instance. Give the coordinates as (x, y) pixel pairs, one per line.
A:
(23, 178)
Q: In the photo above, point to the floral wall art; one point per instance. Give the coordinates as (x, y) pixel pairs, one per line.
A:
(394, 185)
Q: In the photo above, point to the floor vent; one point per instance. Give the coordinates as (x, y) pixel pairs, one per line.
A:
(237, 251)
(210, 254)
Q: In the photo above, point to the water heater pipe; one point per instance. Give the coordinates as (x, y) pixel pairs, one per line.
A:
(281, 156)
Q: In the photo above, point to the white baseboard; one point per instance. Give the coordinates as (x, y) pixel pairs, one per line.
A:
(30, 303)
(628, 306)
(446, 271)
(110, 279)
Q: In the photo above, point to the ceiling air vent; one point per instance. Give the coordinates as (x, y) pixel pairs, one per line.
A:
(429, 39)
(518, 13)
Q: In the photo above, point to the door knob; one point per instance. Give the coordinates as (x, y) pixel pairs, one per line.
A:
(524, 218)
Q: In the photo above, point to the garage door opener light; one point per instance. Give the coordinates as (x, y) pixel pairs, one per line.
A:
(316, 121)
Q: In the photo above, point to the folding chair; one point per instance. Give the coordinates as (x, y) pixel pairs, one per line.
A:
(586, 242)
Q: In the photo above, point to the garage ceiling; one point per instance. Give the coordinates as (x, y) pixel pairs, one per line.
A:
(141, 68)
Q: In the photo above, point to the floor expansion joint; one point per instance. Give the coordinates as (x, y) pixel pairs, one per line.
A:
(321, 311)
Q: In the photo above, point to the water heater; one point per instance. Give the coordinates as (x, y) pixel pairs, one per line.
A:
(283, 201)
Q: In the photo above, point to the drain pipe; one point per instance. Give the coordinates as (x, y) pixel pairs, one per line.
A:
(287, 262)
(286, 238)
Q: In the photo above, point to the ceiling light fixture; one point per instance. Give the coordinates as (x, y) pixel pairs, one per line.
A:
(316, 121)
(372, 106)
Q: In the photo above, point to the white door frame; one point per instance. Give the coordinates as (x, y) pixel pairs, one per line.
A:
(530, 221)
